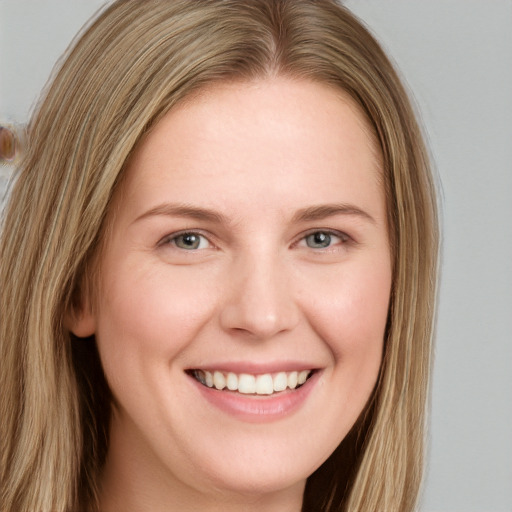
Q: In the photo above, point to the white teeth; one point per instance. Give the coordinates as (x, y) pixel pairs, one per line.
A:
(292, 380)
(303, 376)
(232, 382)
(265, 384)
(218, 380)
(280, 381)
(246, 384)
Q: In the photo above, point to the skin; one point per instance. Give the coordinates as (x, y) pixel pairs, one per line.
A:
(256, 155)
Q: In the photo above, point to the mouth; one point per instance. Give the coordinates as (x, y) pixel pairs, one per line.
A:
(251, 384)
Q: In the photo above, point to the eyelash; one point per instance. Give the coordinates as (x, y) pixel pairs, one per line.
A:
(329, 233)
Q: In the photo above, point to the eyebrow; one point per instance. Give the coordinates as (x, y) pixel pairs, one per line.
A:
(309, 214)
(186, 211)
(324, 211)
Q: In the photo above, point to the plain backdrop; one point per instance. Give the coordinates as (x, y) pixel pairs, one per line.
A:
(456, 58)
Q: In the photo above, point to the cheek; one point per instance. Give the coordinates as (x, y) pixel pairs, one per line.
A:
(351, 312)
(147, 317)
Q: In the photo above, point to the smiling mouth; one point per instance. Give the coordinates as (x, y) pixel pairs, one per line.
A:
(248, 384)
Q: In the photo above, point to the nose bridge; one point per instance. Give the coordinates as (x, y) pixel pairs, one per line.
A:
(261, 301)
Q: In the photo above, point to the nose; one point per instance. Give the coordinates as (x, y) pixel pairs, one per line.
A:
(260, 302)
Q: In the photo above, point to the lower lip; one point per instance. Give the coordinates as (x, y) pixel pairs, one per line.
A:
(258, 408)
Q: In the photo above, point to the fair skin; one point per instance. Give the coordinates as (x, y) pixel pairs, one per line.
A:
(248, 237)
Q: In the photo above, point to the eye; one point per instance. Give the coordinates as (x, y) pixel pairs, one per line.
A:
(324, 239)
(189, 241)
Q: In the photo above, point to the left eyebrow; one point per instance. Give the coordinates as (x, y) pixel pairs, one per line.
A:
(324, 211)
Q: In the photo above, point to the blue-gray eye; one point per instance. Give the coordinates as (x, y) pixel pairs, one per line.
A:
(319, 240)
(189, 241)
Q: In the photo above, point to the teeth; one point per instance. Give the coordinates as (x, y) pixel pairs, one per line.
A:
(292, 380)
(199, 376)
(303, 376)
(247, 384)
(264, 384)
(218, 380)
(280, 381)
(232, 382)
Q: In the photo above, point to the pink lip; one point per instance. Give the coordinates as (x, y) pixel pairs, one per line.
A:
(258, 408)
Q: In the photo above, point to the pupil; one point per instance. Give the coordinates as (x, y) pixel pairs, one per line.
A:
(189, 240)
(321, 239)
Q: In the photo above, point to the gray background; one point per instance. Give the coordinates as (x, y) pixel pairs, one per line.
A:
(456, 56)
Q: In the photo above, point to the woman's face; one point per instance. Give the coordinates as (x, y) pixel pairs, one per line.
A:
(248, 251)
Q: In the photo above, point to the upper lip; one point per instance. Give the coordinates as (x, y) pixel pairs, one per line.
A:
(256, 368)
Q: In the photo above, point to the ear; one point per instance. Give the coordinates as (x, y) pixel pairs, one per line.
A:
(80, 320)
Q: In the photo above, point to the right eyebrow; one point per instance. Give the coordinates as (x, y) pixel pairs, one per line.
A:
(186, 211)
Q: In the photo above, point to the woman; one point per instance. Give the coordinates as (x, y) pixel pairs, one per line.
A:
(218, 269)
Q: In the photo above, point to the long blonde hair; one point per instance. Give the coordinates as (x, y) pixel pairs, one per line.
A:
(128, 68)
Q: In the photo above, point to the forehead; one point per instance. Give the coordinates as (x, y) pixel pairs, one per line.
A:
(277, 132)
(279, 96)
